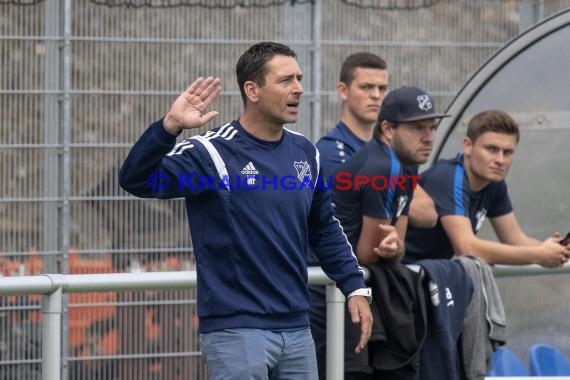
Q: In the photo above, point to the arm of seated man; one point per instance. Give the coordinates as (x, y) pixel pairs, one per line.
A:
(379, 240)
(460, 232)
(422, 212)
(509, 232)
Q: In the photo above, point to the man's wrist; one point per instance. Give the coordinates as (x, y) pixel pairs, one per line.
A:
(169, 127)
(365, 292)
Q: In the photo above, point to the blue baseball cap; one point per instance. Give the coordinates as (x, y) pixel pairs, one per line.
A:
(408, 103)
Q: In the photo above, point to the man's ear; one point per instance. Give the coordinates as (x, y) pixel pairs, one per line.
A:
(467, 146)
(387, 129)
(342, 91)
(251, 91)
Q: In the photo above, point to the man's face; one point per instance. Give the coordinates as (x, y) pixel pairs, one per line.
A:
(364, 96)
(280, 96)
(413, 141)
(490, 156)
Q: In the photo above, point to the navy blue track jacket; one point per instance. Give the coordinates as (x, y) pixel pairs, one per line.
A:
(254, 208)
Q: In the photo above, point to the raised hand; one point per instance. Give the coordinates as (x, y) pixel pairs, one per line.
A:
(187, 111)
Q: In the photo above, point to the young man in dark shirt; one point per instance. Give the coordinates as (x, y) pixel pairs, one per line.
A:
(471, 187)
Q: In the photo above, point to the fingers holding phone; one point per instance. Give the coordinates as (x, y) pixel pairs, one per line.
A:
(565, 240)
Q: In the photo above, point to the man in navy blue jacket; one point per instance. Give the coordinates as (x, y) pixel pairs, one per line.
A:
(254, 208)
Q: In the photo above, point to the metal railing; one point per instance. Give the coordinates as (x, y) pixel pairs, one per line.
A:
(53, 286)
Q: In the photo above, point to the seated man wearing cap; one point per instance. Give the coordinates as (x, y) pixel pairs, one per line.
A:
(373, 189)
(470, 187)
(364, 82)
(374, 216)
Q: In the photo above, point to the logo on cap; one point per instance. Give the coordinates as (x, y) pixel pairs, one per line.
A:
(424, 102)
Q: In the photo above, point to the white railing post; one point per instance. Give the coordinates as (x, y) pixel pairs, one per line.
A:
(51, 334)
(335, 333)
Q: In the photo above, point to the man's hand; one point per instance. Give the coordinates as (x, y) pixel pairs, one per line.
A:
(360, 313)
(187, 111)
(552, 253)
(391, 246)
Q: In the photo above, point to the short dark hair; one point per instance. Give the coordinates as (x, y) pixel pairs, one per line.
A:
(364, 60)
(492, 121)
(251, 65)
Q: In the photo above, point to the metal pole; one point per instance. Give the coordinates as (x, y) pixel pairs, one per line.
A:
(51, 127)
(51, 337)
(66, 174)
(317, 69)
(335, 333)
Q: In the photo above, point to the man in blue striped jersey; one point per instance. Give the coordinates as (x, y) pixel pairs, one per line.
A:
(376, 206)
(251, 236)
(362, 86)
(471, 187)
(373, 210)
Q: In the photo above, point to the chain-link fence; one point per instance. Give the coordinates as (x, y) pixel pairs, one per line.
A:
(81, 79)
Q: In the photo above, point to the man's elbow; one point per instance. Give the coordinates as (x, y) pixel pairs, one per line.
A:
(464, 248)
(124, 181)
(467, 249)
(131, 186)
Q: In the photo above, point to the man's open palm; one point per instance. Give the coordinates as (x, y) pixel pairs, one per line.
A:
(187, 111)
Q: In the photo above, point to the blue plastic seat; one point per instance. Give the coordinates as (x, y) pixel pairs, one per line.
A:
(507, 363)
(547, 360)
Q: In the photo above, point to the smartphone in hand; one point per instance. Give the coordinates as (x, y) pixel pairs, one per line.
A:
(566, 239)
